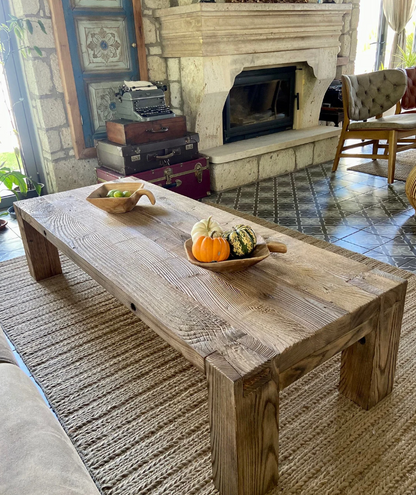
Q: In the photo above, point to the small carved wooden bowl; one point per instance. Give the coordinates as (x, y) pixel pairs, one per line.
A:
(260, 253)
(119, 205)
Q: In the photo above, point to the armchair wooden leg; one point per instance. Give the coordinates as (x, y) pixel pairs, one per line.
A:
(375, 147)
(392, 156)
(339, 151)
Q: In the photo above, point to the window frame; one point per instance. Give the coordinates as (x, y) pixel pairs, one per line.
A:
(26, 128)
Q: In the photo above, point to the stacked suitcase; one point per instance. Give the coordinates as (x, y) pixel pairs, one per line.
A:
(159, 151)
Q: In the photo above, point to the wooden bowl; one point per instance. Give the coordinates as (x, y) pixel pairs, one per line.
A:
(119, 205)
(260, 253)
(3, 224)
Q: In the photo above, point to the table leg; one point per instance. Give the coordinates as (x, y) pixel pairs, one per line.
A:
(244, 431)
(42, 256)
(368, 366)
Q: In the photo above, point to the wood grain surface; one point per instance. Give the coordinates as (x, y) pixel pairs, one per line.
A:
(287, 307)
(244, 431)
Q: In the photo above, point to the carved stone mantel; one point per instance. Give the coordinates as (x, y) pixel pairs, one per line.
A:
(215, 42)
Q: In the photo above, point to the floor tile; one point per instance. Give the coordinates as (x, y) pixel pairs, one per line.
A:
(352, 247)
(385, 258)
(340, 231)
(399, 246)
(366, 239)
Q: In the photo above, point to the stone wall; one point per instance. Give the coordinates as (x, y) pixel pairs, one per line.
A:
(62, 170)
(348, 38)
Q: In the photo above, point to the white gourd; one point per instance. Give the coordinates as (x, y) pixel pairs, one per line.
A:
(207, 227)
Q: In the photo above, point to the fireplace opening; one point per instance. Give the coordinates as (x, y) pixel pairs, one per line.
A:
(260, 102)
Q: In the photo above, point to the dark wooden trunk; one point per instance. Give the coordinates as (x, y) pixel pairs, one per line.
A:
(128, 132)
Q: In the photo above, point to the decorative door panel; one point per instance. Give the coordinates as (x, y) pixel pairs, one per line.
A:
(97, 4)
(103, 51)
(102, 98)
(103, 44)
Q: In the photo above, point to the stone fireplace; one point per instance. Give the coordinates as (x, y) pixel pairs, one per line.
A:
(214, 43)
(260, 103)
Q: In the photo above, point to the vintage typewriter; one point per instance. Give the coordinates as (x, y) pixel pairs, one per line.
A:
(142, 101)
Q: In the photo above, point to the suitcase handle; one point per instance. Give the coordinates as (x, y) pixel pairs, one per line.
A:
(163, 157)
(173, 185)
(162, 129)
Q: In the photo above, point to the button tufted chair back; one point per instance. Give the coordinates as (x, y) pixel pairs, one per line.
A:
(409, 98)
(373, 93)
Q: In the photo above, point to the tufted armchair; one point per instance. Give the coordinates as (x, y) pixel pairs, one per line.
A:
(366, 96)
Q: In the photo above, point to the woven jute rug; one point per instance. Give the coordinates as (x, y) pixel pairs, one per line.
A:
(137, 411)
(404, 163)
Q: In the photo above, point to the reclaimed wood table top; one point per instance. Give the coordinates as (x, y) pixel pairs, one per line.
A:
(285, 308)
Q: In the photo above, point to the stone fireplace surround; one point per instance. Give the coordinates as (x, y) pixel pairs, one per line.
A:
(215, 42)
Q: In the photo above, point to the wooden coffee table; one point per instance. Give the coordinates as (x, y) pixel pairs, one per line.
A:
(252, 333)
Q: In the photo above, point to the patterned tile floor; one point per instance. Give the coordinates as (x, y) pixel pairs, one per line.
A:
(356, 211)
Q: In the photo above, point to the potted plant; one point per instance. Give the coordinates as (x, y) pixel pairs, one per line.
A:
(19, 184)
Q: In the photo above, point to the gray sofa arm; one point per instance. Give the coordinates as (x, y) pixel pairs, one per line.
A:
(36, 456)
(6, 354)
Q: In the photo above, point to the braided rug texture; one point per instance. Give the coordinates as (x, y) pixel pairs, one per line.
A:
(404, 164)
(136, 410)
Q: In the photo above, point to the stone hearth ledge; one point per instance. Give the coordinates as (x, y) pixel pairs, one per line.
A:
(238, 164)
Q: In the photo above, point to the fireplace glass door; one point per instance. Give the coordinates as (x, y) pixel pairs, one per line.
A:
(260, 102)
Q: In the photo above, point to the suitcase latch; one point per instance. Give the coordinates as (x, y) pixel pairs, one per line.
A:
(168, 175)
(198, 172)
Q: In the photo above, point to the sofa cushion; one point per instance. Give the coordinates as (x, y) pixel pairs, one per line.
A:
(401, 121)
(6, 354)
(36, 456)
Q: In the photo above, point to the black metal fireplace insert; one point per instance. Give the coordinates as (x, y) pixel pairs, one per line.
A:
(260, 102)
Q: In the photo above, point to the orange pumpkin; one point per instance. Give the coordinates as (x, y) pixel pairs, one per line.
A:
(207, 249)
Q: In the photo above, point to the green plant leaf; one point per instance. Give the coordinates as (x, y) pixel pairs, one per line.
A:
(18, 33)
(7, 181)
(38, 50)
(29, 26)
(20, 180)
(42, 26)
(38, 187)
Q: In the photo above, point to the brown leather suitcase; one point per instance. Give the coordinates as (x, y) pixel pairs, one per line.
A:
(128, 132)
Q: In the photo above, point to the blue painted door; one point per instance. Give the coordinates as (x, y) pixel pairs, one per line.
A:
(102, 43)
